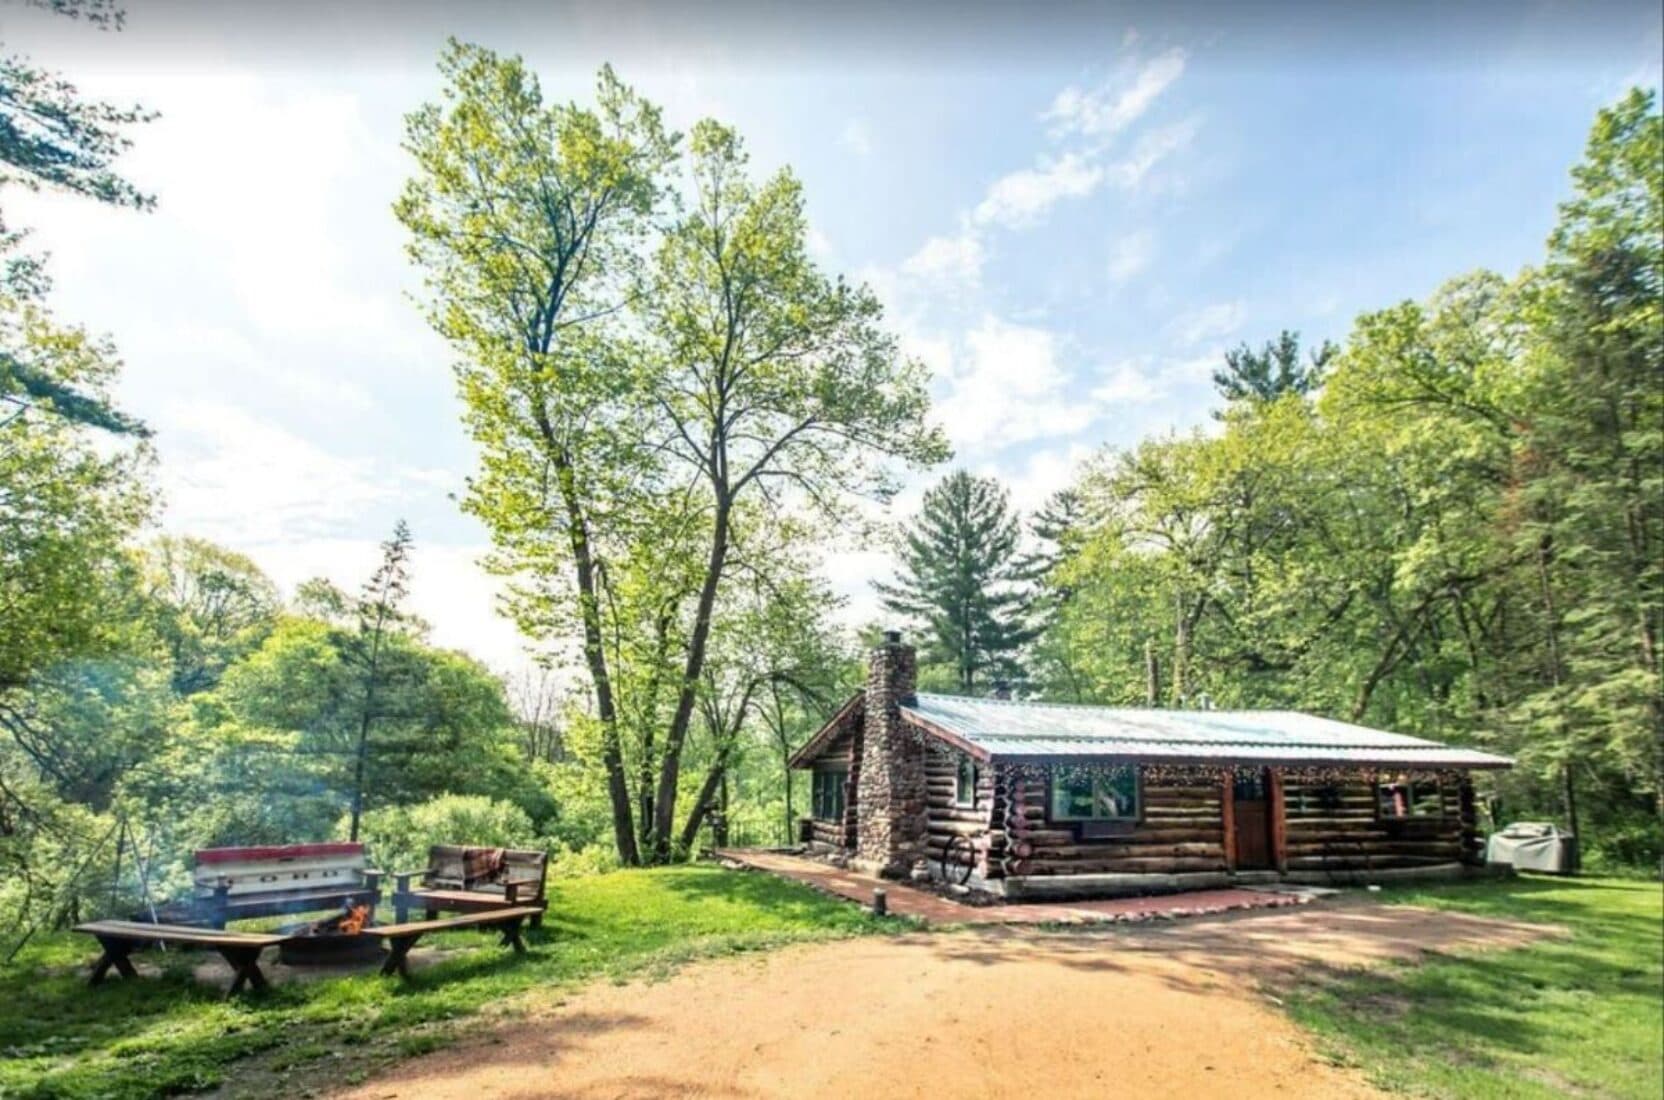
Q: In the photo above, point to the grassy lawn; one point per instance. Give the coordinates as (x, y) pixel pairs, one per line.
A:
(1575, 1016)
(162, 1035)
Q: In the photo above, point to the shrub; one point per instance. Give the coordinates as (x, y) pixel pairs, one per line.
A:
(398, 837)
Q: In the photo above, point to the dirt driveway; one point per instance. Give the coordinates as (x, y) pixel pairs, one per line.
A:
(1145, 1012)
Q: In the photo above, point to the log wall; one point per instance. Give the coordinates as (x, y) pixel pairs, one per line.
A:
(946, 821)
(1182, 830)
(843, 752)
(1334, 826)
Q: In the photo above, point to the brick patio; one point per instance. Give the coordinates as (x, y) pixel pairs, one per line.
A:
(904, 900)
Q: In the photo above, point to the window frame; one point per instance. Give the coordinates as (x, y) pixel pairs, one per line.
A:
(1382, 786)
(829, 784)
(1137, 815)
(966, 765)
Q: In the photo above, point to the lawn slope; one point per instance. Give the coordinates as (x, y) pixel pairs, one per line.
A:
(1579, 1015)
(165, 1035)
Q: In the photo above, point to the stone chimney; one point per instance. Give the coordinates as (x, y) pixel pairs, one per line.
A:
(890, 799)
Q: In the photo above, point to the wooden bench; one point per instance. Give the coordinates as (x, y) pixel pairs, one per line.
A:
(460, 879)
(237, 883)
(120, 938)
(402, 937)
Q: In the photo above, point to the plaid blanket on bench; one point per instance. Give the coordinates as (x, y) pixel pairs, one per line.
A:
(465, 867)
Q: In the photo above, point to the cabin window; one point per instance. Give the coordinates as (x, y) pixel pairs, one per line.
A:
(1095, 794)
(829, 795)
(965, 782)
(1399, 801)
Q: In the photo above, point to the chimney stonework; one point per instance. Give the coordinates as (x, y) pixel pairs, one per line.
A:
(891, 821)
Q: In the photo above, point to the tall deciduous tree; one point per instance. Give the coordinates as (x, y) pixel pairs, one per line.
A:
(213, 606)
(776, 387)
(523, 215)
(963, 579)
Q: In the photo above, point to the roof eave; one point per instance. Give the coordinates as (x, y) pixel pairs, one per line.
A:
(805, 755)
(942, 733)
(1235, 760)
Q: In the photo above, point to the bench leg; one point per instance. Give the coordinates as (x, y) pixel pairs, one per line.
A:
(245, 961)
(115, 954)
(511, 936)
(537, 921)
(397, 950)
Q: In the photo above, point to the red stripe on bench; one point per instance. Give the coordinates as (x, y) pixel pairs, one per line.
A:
(277, 851)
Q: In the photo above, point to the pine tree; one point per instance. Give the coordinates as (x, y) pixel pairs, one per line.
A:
(379, 615)
(964, 581)
(1273, 371)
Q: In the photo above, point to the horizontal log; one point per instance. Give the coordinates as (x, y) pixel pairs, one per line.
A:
(955, 828)
(1108, 850)
(1444, 850)
(1130, 866)
(1311, 863)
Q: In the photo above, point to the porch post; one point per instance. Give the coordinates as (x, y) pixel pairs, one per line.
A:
(1227, 814)
(1279, 820)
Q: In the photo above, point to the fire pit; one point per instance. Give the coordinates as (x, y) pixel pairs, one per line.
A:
(330, 941)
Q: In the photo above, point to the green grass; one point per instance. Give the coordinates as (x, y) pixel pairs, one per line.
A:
(166, 1035)
(1580, 1015)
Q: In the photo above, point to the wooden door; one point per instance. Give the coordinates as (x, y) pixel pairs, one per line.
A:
(1251, 805)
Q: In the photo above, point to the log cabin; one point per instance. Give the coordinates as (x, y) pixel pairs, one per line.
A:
(1035, 800)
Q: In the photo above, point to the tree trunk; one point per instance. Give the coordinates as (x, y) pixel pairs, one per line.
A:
(664, 819)
(612, 756)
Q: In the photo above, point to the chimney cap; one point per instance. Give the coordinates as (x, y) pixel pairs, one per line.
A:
(892, 637)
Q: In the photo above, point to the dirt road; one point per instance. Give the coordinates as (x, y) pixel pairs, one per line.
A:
(1146, 1012)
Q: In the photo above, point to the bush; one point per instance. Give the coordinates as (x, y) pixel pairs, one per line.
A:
(398, 837)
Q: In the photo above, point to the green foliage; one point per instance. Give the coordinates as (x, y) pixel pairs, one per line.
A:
(167, 1034)
(51, 136)
(964, 581)
(399, 836)
(214, 607)
(1570, 1015)
(1272, 372)
(1461, 534)
(637, 418)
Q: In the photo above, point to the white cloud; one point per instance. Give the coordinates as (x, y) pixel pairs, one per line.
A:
(1023, 196)
(1118, 102)
(819, 243)
(1043, 474)
(956, 258)
(1127, 384)
(1209, 322)
(1009, 388)
(1131, 254)
(856, 137)
(1150, 150)
(232, 477)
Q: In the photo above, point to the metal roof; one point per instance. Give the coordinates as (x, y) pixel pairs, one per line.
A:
(1012, 730)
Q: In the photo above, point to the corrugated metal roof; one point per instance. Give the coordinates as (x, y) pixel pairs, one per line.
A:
(1022, 730)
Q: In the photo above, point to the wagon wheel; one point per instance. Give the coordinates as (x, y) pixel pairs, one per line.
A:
(958, 874)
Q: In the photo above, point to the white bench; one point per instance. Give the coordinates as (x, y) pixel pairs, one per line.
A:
(234, 883)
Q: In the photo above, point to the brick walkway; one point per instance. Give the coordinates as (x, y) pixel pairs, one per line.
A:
(907, 901)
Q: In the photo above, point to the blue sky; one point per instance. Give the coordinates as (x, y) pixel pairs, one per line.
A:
(1070, 212)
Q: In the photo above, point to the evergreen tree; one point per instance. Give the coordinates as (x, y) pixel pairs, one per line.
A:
(964, 581)
(1272, 371)
(379, 616)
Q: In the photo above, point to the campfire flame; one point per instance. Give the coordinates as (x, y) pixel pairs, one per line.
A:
(353, 922)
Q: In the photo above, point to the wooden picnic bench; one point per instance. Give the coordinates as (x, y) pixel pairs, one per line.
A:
(402, 937)
(461, 879)
(120, 938)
